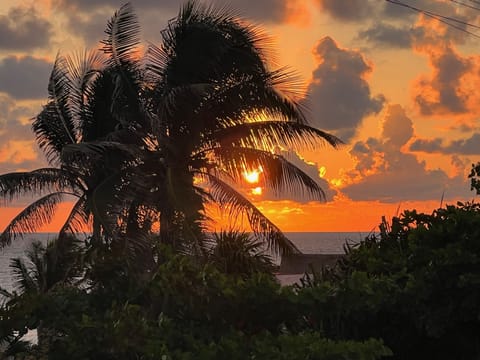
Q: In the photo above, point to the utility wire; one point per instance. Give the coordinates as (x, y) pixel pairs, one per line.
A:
(467, 5)
(448, 20)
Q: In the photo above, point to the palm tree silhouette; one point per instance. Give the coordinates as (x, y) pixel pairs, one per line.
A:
(138, 145)
(44, 268)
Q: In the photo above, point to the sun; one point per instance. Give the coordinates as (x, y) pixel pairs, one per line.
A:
(253, 176)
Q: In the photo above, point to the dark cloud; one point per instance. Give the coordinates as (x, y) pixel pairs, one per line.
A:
(88, 19)
(427, 145)
(397, 12)
(442, 91)
(18, 150)
(24, 78)
(351, 10)
(386, 173)
(339, 95)
(387, 35)
(468, 146)
(93, 5)
(91, 29)
(14, 122)
(264, 10)
(23, 29)
(397, 129)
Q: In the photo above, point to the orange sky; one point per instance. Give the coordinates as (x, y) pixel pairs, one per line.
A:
(398, 88)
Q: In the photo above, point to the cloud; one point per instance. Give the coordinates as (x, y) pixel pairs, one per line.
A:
(451, 86)
(23, 29)
(385, 172)
(387, 35)
(88, 19)
(426, 24)
(18, 152)
(24, 78)
(352, 10)
(264, 10)
(397, 128)
(394, 11)
(17, 141)
(93, 5)
(339, 95)
(442, 92)
(468, 146)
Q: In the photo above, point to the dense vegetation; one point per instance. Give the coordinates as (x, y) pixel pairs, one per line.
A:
(412, 291)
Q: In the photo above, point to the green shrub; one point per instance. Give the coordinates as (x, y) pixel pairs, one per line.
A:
(416, 285)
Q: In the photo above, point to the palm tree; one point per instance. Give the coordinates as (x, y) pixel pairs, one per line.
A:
(92, 99)
(239, 253)
(219, 110)
(133, 143)
(57, 264)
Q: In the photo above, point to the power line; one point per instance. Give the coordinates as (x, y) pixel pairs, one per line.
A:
(448, 20)
(467, 5)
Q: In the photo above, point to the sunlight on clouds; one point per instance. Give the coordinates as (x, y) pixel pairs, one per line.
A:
(298, 13)
(18, 151)
(336, 182)
(257, 191)
(322, 171)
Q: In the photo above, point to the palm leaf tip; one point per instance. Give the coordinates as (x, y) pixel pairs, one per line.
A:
(123, 35)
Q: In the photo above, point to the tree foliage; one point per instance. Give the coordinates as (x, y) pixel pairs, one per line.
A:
(141, 140)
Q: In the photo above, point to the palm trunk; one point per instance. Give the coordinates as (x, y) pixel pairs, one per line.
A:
(167, 235)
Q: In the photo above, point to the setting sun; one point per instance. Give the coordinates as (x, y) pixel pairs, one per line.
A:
(253, 176)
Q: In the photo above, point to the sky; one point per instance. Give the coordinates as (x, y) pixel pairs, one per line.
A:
(399, 88)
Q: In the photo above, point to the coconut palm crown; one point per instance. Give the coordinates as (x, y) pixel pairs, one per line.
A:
(139, 140)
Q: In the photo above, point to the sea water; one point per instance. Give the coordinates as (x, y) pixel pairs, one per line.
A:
(307, 242)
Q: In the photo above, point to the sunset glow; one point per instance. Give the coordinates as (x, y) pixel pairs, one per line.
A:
(252, 176)
(257, 191)
(398, 88)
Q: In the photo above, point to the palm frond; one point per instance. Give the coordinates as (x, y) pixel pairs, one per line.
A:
(238, 204)
(77, 220)
(279, 174)
(123, 35)
(239, 253)
(267, 135)
(238, 97)
(206, 43)
(6, 294)
(54, 127)
(99, 152)
(22, 276)
(84, 68)
(60, 261)
(32, 218)
(36, 254)
(14, 185)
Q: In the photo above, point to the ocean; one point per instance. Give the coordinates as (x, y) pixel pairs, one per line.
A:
(307, 242)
